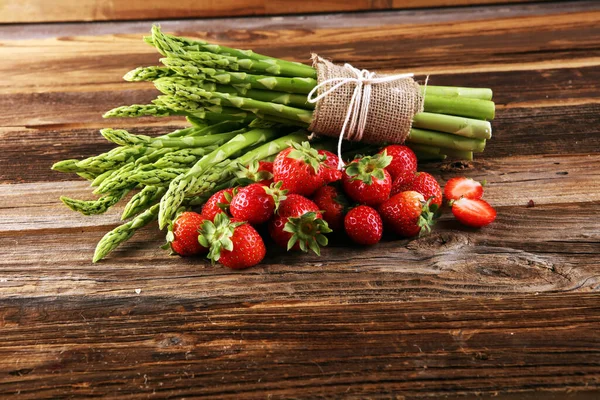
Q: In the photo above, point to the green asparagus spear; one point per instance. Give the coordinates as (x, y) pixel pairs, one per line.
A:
(148, 74)
(140, 110)
(142, 200)
(66, 166)
(124, 138)
(94, 207)
(157, 177)
(123, 232)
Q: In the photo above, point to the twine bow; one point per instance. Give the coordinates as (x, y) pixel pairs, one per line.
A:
(358, 108)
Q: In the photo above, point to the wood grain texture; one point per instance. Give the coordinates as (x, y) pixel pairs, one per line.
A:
(507, 312)
(455, 15)
(15, 11)
(165, 347)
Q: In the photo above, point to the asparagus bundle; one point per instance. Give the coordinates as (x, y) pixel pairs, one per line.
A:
(243, 107)
(213, 82)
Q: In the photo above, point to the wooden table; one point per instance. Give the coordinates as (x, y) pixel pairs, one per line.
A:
(511, 311)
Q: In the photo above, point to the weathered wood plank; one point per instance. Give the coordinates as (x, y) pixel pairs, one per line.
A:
(558, 255)
(315, 21)
(141, 345)
(471, 46)
(96, 10)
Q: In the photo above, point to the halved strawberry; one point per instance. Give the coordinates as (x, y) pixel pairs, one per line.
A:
(462, 187)
(473, 212)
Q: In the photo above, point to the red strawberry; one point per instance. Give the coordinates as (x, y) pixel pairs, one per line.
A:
(363, 225)
(366, 181)
(462, 187)
(402, 181)
(299, 225)
(233, 243)
(256, 203)
(258, 172)
(333, 204)
(473, 212)
(407, 214)
(425, 184)
(217, 203)
(299, 168)
(330, 171)
(404, 160)
(183, 237)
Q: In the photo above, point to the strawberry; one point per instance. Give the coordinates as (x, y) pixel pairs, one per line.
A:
(257, 172)
(299, 168)
(256, 203)
(333, 204)
(299, 225)
(425, 184)
(402, 181)
(233, 243)
(183, 236)
(363, 225)
(473, 212)
(404, 161)
(217, 203)
(462, 187)
(366, 181)
(407, 214)
(329, 171)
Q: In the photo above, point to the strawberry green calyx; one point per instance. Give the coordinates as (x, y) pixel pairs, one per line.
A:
(217, 235)
(277, 193)
(367, 168)
(228, 196)
(428, 217)
(307, 154)
(251, 173)
(307, 230)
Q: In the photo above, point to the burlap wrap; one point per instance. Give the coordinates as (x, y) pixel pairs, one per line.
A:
(392, 106)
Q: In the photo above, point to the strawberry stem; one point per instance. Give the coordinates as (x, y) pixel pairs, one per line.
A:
(367, 168)
(307, 154)
(307, 230)
(217, 235)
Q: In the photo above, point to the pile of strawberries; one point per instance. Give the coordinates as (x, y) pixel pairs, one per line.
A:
(302, 195)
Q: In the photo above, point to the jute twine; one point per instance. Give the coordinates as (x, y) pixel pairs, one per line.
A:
(360, 105)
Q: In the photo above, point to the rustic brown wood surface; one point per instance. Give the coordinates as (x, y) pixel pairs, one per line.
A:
(511, 311)
(14, 11)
